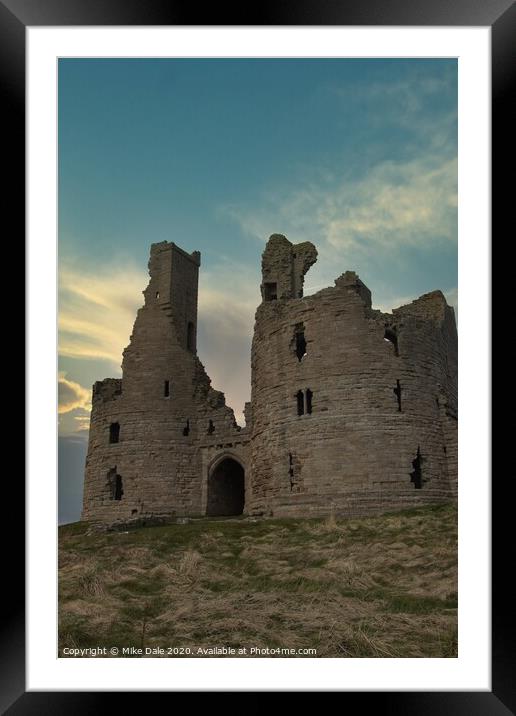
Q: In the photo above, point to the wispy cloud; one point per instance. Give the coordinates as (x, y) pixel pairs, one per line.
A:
(82, 422)
(97, 309)
(71, 395)
(413, 103)
(228, 296)
(398, 204)
(398, 192)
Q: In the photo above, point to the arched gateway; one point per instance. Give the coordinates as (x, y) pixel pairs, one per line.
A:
(226, 488)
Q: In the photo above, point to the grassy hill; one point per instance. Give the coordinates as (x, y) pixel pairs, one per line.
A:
(376, 587)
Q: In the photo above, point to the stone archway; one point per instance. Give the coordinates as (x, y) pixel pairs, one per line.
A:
(226, 488)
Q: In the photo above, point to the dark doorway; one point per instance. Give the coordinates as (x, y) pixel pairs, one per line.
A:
(226, 489)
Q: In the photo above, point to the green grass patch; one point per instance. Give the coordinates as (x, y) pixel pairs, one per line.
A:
(346, 587)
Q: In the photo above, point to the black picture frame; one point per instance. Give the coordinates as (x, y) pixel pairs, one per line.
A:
(500, 15)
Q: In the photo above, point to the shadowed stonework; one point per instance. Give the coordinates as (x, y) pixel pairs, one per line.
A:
(352, 410)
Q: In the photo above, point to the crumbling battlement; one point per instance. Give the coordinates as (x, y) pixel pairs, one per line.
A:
(107, 389)
(430, 306)
(352, 409)
(350, 281)
(284, 266)
(174, 277)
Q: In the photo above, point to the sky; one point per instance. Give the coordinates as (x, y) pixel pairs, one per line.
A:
(358, 156)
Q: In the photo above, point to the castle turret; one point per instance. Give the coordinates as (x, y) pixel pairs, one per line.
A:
(174, 278)
(346, 398)
(144, 455)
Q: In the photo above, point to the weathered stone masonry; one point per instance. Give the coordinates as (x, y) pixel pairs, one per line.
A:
(352, 410)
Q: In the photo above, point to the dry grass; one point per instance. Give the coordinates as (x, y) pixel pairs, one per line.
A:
(378, 587)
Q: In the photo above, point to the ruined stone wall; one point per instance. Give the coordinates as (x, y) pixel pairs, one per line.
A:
(352, 410)
(284, 266)
(434, 364)
(164, 405)
(354, 452)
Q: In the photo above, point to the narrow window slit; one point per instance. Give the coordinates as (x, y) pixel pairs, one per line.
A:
(186, 428)
(299, 334)
(309, 395)
(270, 291)
(118, 488)
(416, 476)
(114, 432)
(397, 393)
(166, 389)
(300, 402)
(392, 337)
(291, 471)
(190, 337)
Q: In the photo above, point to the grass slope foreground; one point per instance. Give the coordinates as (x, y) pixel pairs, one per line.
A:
(376, 587)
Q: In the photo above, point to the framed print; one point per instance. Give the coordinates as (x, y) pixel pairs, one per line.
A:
(317, 516)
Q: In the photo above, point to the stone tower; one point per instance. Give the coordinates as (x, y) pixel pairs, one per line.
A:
(144, 454)
(352, 409)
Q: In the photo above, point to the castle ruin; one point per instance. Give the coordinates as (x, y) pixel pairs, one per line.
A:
(352, 410)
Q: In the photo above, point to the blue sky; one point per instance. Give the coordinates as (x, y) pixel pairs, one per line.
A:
(358, 156)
